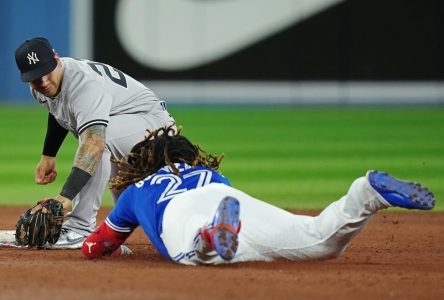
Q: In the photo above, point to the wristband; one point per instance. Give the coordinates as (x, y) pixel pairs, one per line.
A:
(77, 179)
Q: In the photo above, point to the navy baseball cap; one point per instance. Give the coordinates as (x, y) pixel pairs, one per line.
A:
(35, 59)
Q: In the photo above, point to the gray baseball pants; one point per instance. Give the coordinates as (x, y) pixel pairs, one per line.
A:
(122, 133)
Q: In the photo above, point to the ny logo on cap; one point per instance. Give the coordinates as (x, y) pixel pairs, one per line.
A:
(32, 57)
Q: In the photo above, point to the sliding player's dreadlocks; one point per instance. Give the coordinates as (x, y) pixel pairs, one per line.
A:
(161, 147)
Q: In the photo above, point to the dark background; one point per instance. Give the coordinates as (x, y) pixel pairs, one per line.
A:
(355, 40)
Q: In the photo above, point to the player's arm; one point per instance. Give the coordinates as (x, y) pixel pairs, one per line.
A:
(103, 241)
(88, 157)
(46, 172)
(92, 144)
(112, 233)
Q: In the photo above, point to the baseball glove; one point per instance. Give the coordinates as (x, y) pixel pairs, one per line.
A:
(40, 224)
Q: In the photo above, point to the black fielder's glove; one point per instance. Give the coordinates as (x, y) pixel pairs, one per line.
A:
(40, 224)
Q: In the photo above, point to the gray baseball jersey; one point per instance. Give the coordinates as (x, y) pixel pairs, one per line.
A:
(95, 93)
(91, 92)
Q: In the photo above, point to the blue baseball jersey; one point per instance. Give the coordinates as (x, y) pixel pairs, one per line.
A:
(144, 202)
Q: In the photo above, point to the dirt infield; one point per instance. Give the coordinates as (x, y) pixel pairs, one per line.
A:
(400, 255)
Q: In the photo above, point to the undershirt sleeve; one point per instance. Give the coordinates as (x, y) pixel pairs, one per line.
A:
(55, 135)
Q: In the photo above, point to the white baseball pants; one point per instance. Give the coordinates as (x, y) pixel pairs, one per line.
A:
(268, 232)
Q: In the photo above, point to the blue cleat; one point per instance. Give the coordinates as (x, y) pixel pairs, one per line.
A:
(226, 226)
(401, 193)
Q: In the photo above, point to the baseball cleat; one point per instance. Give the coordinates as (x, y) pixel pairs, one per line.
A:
(225, 228)
(68, 240)
(396, 192)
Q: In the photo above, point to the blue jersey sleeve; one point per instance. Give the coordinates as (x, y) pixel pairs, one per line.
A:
(143, 203)
(122, 217)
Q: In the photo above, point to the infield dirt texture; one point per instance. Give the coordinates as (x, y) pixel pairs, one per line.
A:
(296, 158)
(397, 256)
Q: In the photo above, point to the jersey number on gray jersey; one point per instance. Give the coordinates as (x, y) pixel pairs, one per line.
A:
(120, 81)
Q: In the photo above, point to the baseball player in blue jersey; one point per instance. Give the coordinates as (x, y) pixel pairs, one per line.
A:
(193, 216)
(104, 108)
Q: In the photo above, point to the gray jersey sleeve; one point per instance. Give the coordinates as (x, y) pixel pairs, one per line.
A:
(90, 105)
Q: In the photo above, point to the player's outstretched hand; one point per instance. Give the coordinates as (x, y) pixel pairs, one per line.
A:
(46, 172)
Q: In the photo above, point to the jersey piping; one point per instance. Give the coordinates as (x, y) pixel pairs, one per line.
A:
(91, 123)
(117, 228)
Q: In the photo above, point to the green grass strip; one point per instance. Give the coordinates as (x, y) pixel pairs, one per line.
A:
(300, 158)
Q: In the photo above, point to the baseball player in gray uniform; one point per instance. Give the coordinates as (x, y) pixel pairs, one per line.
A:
(106, 110)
